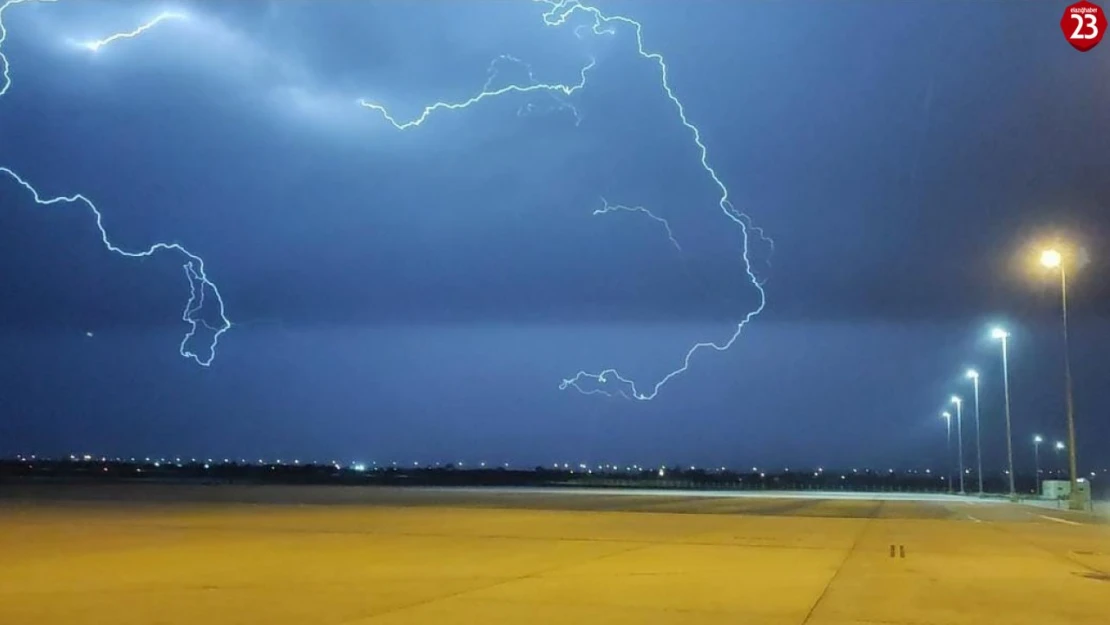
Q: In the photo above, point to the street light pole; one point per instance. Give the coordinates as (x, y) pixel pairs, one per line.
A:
(1037, 440)
(1073, 472)
(1004, 336)
(974, 375)
(960, 438)
(948, 446)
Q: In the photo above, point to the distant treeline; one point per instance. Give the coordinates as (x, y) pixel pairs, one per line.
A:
(673, 478)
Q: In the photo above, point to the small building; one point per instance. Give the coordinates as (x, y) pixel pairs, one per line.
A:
(1061, 489)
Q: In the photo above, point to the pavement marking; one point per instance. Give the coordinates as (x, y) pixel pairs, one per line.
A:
(847, 556)
(974, 519)
(1052, 518)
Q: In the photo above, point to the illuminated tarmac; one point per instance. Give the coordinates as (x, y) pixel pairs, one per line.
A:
(279, 555)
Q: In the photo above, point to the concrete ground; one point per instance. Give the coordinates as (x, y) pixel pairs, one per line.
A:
(145, 555)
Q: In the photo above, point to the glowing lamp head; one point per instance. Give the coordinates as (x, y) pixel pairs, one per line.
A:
(1059, 445)
(1051, 259)
(946, 415)
(972, 374)
(957, 400)
(999, 333)
(1037, 439)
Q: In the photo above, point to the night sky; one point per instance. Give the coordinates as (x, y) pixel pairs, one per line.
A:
(419, 295)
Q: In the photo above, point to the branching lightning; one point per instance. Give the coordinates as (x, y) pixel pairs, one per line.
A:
(587, 21)
(612, 208)
(557, 89)
(559, 13)
(194, 265)
(527, 107)
(194, 271)
(96, 44)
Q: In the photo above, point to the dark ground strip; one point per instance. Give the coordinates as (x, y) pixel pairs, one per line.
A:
(171, 495)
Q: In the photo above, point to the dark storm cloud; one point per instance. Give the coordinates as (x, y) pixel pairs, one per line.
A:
(890, 173)
(895, 167)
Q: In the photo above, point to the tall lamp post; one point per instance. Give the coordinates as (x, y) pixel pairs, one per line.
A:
(1052, 259)
(948, 446)
(1037, 440)
(974, 375)
(1002, 335)
(960, 437)
(1060, 446)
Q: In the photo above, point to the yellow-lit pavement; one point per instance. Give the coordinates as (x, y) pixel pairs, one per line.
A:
(378, 557)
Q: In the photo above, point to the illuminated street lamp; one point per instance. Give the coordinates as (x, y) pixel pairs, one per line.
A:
(1037, 440)
(974, 375)
(1052, 259)
(1002, 335)
(948, 445)
(1060, 446)
(960, 437)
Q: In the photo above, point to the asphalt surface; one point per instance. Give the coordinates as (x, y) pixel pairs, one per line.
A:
(218, 555)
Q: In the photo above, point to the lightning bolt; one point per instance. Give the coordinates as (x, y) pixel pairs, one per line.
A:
(194, 271)
(4, 67)
(558, 13)
(199, 283)
(97, 44)
(598, 391)
(612, 208)
(487, 94)
(528, 107)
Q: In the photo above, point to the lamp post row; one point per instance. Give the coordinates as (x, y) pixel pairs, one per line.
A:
(1051, 259)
